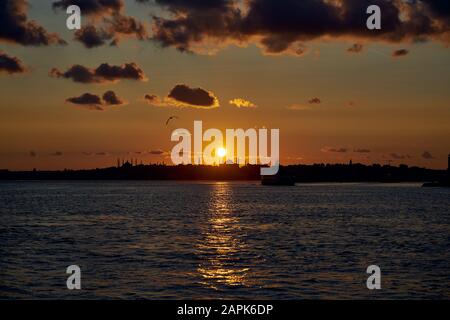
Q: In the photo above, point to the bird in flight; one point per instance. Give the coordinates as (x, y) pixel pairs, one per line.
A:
(171, 118)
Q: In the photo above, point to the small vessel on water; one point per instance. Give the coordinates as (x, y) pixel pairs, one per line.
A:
(278, 180)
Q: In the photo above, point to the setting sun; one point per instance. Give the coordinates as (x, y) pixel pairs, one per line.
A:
(221, 152)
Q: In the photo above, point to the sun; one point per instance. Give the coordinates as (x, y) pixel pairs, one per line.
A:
(221, 152)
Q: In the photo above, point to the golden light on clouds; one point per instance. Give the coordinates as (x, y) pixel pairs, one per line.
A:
(242, 103)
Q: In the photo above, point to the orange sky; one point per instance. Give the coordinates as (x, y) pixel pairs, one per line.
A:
(331, 105)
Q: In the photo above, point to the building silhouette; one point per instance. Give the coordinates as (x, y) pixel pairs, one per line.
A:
(128, 169)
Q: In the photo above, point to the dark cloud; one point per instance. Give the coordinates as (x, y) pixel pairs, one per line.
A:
(15, 26)
(157, 152)
(338, 150)
(103, 73)
(315, 101)
(194, 22)
(33, 154)
(178, 6)
(361, 150)
(111, 31)
(400, 53)
(355, 48)
(107, 23)
(77, 73)
(129, 71)
(10, 64)
(184, 96)
(110, 98)
(151, 97)
(92, 37)
(282, 26)
(91, 7)
(89, 100)
(439, 7)
(95, 102)
(124, 25)
(427, 155)
(155, 100)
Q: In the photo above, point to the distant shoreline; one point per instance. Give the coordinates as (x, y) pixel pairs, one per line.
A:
(327, 173)
(207, 181)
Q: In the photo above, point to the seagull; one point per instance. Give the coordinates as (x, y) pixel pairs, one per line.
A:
(170, 118)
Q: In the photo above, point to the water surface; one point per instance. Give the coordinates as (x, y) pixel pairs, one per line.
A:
(181, 240)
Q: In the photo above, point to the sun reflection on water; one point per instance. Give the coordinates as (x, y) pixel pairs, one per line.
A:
(222, 242)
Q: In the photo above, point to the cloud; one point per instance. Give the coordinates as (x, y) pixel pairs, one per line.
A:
(111, 31)
(91, 7)
(57, 154)
(338, 150)
(315, 101)
(427, 155)
(361, 150)
(184, 96)
(282, 27)
(355, 48)
(196, 97)
(151, 98)
(106, 22)
(121, 25)
(95, 102)
(302, 107)
(92, 37)
(156, 101)
(242, 103)
(186, 5)
(157, 152)
(299, 107)
(89, 100)
(33, 154)
(15, 26)
(10, 64)
(399, 156)
(400, 53)
(111, 99)
(103, 73)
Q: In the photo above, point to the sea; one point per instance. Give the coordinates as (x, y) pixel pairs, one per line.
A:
(223, 240)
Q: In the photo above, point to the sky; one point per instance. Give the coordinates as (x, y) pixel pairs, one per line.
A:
(336, 90)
